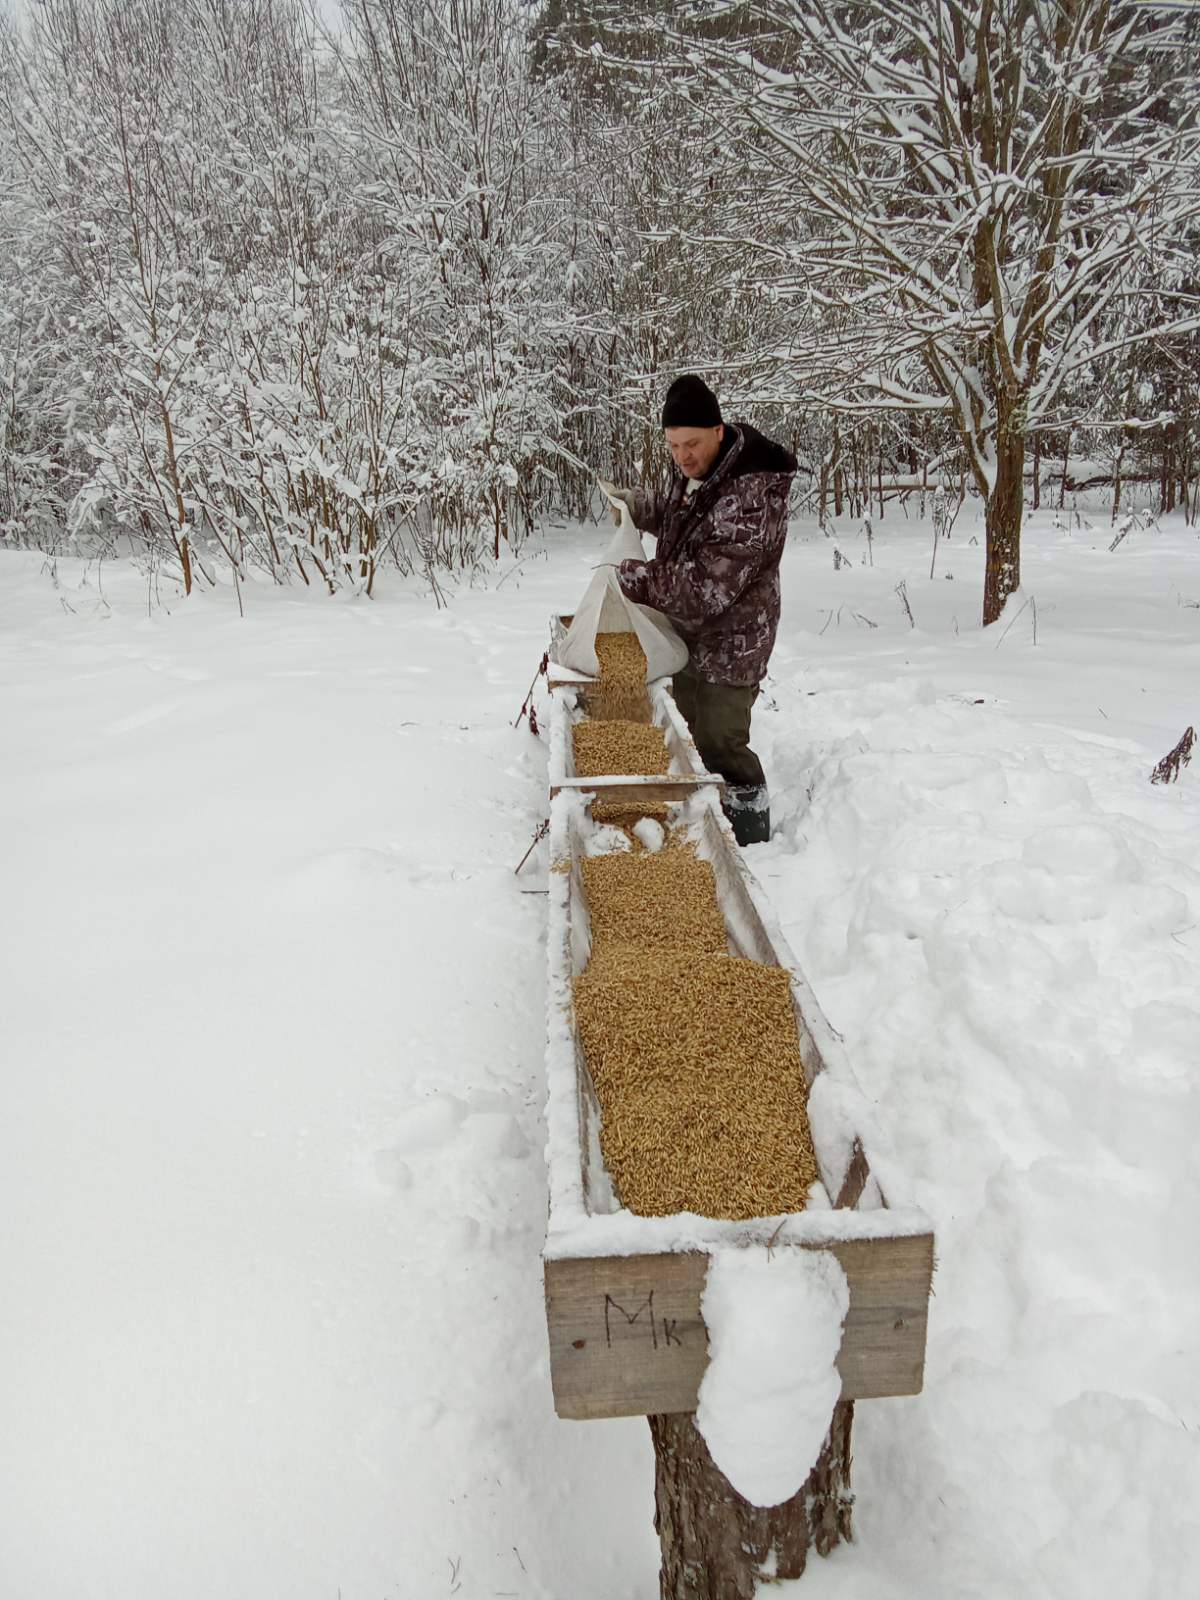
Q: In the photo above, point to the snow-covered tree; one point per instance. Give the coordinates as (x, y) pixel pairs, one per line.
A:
(309, 340)
(643, 306)
(457, 177)
(312, 306)
(983, 196)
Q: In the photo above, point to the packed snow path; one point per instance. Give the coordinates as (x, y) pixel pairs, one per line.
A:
(270, 1151)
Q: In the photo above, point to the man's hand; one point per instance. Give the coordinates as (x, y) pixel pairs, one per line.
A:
(627, 498)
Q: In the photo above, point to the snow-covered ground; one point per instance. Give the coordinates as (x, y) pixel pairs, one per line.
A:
(271, 1144)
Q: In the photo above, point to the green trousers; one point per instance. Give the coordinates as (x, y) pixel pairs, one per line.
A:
(718, 715)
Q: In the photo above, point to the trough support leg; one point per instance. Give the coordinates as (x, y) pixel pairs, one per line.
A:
(715, 1545)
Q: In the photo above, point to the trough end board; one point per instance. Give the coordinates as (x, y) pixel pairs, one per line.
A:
(627, 1338)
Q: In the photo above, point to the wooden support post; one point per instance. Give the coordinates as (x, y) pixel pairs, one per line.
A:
(717, 1546)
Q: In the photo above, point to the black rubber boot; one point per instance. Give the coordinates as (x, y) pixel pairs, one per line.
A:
(748, 808)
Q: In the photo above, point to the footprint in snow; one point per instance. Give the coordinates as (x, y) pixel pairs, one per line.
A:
(489, 1133)
(420, 1133)
(352, 864)
(428, 1126)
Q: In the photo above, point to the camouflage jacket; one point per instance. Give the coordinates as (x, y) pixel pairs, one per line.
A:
(716, 570)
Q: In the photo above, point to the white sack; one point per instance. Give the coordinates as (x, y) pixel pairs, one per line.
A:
(604, 609)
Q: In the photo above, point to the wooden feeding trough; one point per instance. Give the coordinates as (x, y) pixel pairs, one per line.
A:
(571, 703)
(623, 1291)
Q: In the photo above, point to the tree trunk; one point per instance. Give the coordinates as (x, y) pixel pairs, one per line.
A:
(1002, 522)
(717, 1546)
(1120, 462)
(880, 479)
(1163, 474)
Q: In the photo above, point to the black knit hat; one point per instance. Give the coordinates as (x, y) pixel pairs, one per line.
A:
(690, 403)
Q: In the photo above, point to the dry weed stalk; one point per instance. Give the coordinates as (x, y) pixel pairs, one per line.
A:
(1173, 763)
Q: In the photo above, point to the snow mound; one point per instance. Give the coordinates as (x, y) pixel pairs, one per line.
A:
(774, 1323)
(652, 834)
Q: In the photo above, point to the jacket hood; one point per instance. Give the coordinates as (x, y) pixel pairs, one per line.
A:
(760, 454)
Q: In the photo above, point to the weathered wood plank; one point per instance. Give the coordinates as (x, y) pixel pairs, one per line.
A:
(636, 789)
(627, 1338)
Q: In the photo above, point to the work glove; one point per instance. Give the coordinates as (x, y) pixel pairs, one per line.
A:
(627, 497)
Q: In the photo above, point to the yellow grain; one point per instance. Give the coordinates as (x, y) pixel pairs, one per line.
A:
(604, 749)
(693, 1052)
(621, 814)
(654, 902)
(620, 695)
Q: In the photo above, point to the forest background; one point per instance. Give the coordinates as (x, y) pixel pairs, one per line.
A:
(325, 295)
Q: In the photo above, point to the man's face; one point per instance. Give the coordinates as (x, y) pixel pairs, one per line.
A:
(695, 449)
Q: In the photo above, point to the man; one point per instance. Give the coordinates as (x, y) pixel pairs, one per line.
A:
(721, 522)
